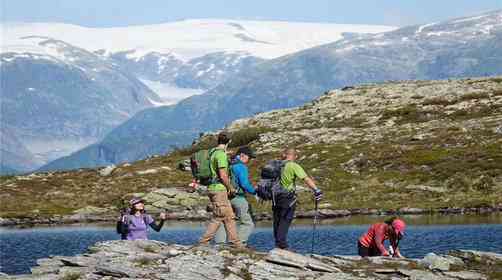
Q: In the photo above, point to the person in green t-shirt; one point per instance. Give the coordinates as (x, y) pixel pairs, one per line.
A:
(219, 190)
(285, 202)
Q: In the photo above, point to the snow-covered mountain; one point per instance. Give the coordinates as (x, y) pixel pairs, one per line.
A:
(191, 54)
(65, 86)
(452, 49)
(56, 98)
(191, 38)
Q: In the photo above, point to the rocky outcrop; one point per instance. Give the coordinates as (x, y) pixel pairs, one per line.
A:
(405, 145)
(157, 260)
(178, 203)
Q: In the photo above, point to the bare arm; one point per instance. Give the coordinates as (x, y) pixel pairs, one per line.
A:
(224, 178)
(310, 183)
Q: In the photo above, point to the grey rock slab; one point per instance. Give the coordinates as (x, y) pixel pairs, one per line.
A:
(341, 276)
(388, 260)
(79, 261)
(478, 256)
(153, 197)
(466, 275)
(233, 277)
(117, 271)
(415, 274)
(34, 277)
(296, 260)
(263, 270)
(169, 192)
(337, 261)
(198, 265)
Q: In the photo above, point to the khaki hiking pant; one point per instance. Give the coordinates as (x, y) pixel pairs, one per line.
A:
(222, 213)
(245, 224)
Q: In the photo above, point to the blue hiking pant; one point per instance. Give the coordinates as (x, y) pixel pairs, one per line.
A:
(245, 224)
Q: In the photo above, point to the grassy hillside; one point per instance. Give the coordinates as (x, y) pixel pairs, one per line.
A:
(417, 144)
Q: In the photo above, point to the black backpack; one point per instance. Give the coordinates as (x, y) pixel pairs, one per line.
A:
(270, 183)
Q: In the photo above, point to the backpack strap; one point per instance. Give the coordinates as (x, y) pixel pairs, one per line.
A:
(233, 181)
(144, 220)
(215, 179)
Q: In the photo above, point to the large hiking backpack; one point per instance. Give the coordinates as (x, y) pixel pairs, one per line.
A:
(200, 163)
(270, 182)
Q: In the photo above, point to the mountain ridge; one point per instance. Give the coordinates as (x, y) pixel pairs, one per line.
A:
(294, 79)
(395, 147)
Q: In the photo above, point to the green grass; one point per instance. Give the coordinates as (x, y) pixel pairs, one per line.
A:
(474, 96)
(410, 114)
(71, 276)
(459, 152)
(441, 101)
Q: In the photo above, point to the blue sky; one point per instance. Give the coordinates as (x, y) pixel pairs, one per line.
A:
(106, 13)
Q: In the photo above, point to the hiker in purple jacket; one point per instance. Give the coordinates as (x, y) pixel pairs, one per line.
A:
(135, 224)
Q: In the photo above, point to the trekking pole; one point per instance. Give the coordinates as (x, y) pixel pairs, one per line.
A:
(314, 225)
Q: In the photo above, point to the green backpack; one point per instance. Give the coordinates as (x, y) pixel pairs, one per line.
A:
(200, 163)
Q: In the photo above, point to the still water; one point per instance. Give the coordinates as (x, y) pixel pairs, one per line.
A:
(20, 248)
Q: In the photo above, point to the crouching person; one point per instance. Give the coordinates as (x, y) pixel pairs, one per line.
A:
(134, 225)
(371, 244)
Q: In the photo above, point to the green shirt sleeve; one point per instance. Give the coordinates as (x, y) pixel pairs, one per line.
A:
(292, 170)
(221, 159)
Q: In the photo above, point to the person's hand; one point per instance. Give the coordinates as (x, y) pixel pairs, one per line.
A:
(163, 216)
(317, 194)
(193, 186)
(398, 255)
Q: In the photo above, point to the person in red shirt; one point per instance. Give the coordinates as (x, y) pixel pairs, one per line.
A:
(371, 244)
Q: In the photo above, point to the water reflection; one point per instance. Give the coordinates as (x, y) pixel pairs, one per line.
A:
(20, 248)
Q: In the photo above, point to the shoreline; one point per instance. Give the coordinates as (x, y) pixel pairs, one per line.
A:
(324, 214)
(149, 259)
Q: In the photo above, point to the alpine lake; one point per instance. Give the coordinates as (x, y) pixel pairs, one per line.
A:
(21, 247)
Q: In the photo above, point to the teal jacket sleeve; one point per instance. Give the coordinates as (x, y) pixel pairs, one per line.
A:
(242, 178)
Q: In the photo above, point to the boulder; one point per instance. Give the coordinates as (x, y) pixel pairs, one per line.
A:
(169, 192)
(91, 210)
(107, 171)
(442, 263)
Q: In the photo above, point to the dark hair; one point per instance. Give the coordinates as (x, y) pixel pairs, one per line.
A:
(390, 220)
(223, 138)
(133, 210)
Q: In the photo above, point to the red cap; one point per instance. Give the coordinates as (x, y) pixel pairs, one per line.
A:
(399, 226)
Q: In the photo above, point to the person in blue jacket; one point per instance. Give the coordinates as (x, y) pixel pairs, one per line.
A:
(242, 209)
